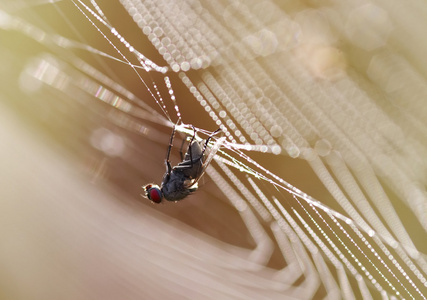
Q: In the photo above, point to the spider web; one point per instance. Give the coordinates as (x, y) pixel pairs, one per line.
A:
(282, 84)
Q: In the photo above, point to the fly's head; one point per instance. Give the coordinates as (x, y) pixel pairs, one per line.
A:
(153, 193)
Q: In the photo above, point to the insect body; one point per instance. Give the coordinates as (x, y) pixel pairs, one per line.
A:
(181, 180)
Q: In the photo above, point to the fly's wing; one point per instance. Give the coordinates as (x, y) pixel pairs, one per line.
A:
(207, 161)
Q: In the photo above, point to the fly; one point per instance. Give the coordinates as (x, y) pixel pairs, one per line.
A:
(181, 180)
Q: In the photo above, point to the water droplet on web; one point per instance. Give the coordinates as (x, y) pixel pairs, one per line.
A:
(293, 151)
(146, 30)
(158, 31)
(175, 67)
(276, 150)
(323, 147)
(276, 131)
(185, 66)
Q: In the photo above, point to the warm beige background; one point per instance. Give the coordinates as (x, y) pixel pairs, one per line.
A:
(72, 222)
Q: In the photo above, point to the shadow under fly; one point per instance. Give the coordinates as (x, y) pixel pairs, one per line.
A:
(181, 180)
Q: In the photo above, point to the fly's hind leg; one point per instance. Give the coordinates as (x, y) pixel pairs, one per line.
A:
(190, 149)
(168, 153)
(180, 149)
(188, 162)
(208, 139)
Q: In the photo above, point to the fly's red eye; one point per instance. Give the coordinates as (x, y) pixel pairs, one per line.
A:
(155, 195)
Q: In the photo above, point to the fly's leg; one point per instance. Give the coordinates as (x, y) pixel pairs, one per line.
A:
(168, 153)
(183, 142)
(180, 149)
(208, 139)
(189, 147)
(189, 164)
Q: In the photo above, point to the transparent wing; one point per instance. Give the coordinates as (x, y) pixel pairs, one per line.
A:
(211, 155)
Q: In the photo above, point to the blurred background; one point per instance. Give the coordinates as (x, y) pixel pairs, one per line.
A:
(318, 193)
